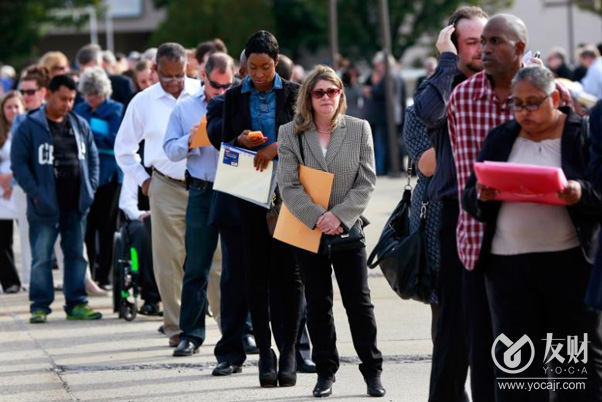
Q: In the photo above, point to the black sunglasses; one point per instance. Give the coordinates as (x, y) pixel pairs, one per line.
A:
(29, 92)
(219, 86)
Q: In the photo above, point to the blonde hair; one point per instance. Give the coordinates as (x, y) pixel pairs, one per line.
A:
(5, 125)
(50, 60)
(304, 116)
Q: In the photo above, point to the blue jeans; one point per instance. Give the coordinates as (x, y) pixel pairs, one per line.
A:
(201, 242)
(42, 237)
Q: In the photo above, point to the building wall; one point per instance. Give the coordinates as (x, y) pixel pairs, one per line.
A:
(548, 26)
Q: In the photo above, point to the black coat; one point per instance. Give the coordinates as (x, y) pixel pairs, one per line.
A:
(237, 110)
(123, 88)
(585, 214)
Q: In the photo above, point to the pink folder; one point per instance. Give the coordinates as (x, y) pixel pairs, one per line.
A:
(518, 182)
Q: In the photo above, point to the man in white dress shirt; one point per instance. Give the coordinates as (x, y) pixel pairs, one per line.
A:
(146, 119)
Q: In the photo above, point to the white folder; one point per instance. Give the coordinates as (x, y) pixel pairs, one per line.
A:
(237, 176)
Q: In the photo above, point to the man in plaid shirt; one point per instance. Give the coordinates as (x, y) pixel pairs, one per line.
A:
(478, 105)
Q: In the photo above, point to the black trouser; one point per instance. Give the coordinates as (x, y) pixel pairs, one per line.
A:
(463, 329)
(450, 350)
(234, 307)
(303, 346)
(102, 223)
(352, 277)
(140, 238)
(8, 272)
(270, 266)
(540, 293)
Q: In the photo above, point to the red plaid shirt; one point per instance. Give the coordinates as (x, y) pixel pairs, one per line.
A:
(473, 110)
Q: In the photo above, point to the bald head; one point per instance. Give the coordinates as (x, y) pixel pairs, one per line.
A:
(503, 43)
(513, 26)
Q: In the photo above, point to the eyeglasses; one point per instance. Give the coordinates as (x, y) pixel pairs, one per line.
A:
(167, 80)
(30, 92)
(331, 92)
(531, 107)
(219, 86)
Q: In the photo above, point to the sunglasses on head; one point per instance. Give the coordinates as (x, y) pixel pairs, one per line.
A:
(331, 92)
(29, 92)
(219, 86)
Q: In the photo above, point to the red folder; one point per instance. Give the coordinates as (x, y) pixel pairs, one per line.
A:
(518, 182)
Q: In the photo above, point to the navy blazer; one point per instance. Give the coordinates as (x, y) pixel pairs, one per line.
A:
(585, 214)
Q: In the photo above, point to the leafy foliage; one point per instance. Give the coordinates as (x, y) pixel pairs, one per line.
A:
(23, 24)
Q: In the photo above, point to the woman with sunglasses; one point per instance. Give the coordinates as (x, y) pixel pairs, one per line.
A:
(263, 102)
(538, 257)
(342, 145)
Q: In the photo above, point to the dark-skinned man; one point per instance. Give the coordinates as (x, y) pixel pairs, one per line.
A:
(146, 119)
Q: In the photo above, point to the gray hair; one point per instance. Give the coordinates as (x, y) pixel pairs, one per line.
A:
(88, 54)
(94, 81)
(171, 51)
(539, 76)
(219, 61)
(108, 57)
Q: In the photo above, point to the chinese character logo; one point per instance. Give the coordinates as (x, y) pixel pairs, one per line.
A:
(513, 356)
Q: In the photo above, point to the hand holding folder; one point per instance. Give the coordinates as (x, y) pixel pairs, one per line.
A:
(200, 137)
(517, 182)
(289, 229)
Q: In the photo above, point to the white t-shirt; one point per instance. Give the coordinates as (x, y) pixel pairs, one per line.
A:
(528, 227)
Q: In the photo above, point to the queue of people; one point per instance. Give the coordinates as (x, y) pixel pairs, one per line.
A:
(106, 153)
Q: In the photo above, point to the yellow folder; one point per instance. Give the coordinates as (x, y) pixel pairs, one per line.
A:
(200, 137)
(289, 229)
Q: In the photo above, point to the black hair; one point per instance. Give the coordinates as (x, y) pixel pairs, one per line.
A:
(284, 68)
(465, 12)
(262, 42)
(61, 80)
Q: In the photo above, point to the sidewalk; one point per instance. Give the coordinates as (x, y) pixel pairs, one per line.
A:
(115, 360)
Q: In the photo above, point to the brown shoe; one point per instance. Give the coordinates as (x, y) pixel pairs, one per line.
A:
(174, 340)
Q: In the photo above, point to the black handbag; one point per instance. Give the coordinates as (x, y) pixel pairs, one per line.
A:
(351, 239)
(402, 255)
(348, 240)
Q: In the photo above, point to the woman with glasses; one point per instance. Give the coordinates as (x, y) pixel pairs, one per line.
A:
(538, 257)
(104, 117)
(263, 102)
(11, 105)
(322, 137)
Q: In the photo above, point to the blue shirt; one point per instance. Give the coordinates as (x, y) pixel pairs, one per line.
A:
(201, 163)
(263, 108)
(104, 123)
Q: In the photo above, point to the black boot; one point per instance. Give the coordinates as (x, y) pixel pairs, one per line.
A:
(375, 387)
(323, 387)
(267, 369)
(287, 369)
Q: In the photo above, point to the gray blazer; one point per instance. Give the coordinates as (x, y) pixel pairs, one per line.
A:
(350, 157)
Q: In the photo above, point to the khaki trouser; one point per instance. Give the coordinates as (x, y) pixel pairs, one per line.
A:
(213, 288)
(168, 202)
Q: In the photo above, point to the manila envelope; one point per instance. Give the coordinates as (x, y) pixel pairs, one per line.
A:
(200, 137)
(289, 229)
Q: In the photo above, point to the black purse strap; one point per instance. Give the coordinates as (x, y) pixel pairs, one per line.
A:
(301, 148)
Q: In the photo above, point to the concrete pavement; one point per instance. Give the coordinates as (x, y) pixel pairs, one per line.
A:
(114, 360)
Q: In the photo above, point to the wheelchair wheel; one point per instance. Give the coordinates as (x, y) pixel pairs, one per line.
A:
(128, 310)
(119, 255)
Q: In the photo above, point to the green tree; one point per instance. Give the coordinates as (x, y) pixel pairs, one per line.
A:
(23, 24)
(190, 22)
(303, 24)
(595, 6)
